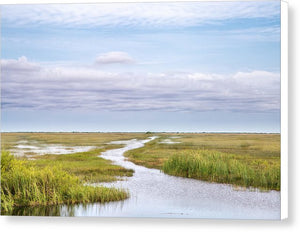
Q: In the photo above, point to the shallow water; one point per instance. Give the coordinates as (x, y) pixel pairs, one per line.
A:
(155, 194)
(23, 148)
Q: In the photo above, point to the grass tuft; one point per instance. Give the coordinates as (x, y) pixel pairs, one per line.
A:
(26, 185)
(224, 168)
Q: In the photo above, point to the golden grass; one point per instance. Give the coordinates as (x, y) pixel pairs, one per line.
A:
(69, 139)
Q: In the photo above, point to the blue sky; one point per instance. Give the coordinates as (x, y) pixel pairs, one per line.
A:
(193, 66)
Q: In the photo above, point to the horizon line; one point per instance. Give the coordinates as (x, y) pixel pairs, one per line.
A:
(196, 132)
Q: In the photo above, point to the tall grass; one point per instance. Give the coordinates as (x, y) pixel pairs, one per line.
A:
(25, 185)
(224, 168)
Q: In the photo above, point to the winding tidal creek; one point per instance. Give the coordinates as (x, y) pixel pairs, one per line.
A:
(155, 194)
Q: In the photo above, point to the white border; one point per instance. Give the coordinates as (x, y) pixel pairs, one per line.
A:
(284, 109)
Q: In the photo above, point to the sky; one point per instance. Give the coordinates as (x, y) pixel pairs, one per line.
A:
(182, 67)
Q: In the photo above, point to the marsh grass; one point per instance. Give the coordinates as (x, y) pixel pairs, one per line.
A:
(87, 166)
(152, 155)
(224, 168)
(239, 159)
(59, 179)
(9, 140)
(25, 185)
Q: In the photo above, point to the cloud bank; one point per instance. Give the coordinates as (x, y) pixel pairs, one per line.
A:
(33, 86)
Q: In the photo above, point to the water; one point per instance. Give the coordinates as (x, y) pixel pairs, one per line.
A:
(24, 148)
(155, 194)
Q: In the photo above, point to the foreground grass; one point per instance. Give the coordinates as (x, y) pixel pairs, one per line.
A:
(25, 185)
(238, 159)
(57, 179)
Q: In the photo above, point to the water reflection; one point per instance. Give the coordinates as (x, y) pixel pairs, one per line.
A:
(53, 210)
(89, 209)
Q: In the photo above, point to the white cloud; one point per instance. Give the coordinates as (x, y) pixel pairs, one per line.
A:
(89, 88)
(114, 58)
(137, 14)
(22, 64)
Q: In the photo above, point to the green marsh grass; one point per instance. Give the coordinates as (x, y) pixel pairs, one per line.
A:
(87, 166)
(224, 168)
(56, 179)
(25, 185)
(238, 159)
